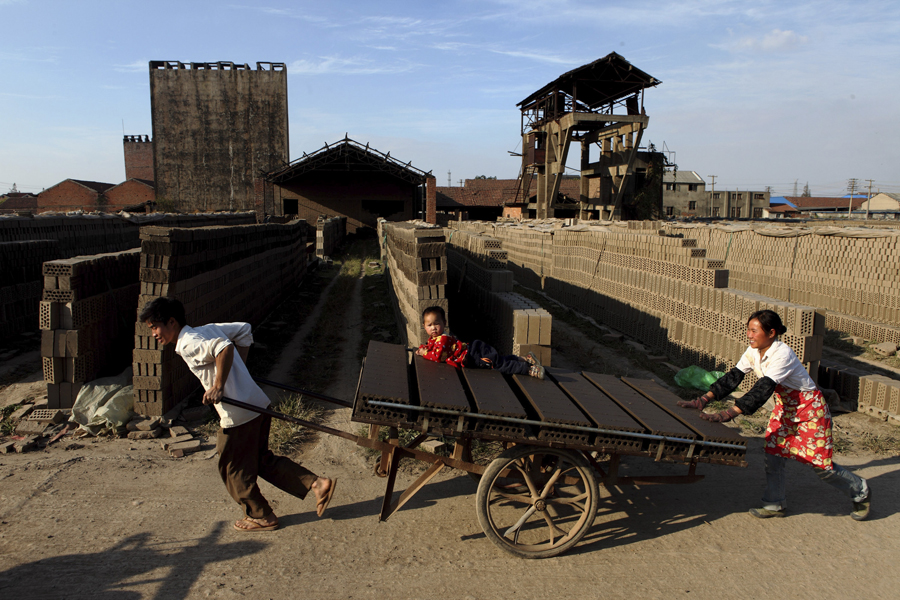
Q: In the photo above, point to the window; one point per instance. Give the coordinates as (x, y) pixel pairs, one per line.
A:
(740, 197)
(759, 196)
(715, 211)
(757, 212)
(734, 196)
(670, 187)
(717, 195)
(670, 210)
(735, 212)
(692, 187)
(692, 205)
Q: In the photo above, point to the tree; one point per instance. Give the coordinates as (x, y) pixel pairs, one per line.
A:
(485, 177)
(806, 193)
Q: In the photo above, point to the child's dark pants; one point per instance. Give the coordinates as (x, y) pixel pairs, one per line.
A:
(508, 365)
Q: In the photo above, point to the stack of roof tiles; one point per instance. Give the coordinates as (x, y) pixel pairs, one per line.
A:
(85, 320)
(220, 274)
(415, 255)
(480, 282)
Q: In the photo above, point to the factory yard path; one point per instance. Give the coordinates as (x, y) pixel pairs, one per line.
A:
(119, 519)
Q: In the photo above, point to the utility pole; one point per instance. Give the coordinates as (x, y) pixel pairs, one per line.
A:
(449, 183)
(869, 199)
(851, 186)
(712, 194)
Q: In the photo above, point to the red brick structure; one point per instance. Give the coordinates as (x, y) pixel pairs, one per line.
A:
(348, 179)
(431, 200)
(138, 157)
(17, 201)
(488, 199)
(130, 194)
(74, 194)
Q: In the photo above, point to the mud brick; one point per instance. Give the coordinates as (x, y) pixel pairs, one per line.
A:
(155, 409)
(21, 412)
(48, 315)
(186, 447)
(158, 382)
(534, 327)
(54, 369)
(27, 444)
(53, 395)
(178, 430)
(166, 444)
(47, 337)
(27, 427)
(143, 424)
(546, 328)
(59, 343)
(47, 415)
(145, 435)
(7, 447)
(68, 394)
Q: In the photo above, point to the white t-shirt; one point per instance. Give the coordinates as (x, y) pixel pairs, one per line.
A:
(199, 346)
(779, 364)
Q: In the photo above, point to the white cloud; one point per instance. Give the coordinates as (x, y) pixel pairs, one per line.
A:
(138, 66)
(774, 41)
(547, 58)
(328, 65)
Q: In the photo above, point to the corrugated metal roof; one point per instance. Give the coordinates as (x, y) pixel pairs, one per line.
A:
(682, 177)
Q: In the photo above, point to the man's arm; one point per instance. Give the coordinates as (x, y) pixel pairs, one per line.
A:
(224, 360)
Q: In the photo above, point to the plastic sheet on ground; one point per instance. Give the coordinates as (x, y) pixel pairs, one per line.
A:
(105, 404)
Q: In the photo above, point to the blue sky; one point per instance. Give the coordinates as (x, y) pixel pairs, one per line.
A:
(758, 93)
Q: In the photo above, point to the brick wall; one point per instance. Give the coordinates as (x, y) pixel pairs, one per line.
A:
(221, 274)
(128, 193)
(138, 157)
(68, 196)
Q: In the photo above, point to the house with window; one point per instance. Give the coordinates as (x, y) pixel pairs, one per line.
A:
(684, 194)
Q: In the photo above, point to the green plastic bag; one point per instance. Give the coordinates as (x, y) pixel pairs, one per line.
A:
(697, 378)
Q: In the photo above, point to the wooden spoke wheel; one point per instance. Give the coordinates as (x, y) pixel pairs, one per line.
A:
(537, 502)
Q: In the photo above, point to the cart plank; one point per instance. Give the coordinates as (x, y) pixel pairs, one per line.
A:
(492, 394)
(713, 432)
(550, 402)
(643, 410)
(597, 405)
(439, 385)
(386, 374)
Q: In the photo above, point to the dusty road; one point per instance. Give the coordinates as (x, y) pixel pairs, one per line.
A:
(119, 519)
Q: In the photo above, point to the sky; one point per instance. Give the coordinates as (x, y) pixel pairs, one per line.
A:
(760, 94)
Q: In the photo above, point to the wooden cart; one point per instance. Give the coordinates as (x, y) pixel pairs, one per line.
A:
(563, 435)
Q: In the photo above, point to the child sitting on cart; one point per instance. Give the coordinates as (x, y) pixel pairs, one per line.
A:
(443, 347)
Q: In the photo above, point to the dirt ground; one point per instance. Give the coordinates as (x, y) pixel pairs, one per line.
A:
(119, 519)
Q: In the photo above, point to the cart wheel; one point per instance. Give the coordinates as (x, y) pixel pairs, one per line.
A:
(537, 502)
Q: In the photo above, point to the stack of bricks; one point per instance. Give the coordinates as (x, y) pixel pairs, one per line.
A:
(220, 274)
(27, 242)
(854, 274)
(20, 283)
(876, 395)
(329, 235)
(480, 282)
(415, 255)
(85, 320)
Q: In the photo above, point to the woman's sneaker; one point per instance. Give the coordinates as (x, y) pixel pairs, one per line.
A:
(531, 359)
(861, 509)
(536, 371)
(765, 513)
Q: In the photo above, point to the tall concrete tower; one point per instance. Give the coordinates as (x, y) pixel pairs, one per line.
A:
(216, 127)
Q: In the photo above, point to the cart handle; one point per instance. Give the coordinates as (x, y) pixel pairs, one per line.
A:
(297, 390)
(273, 413)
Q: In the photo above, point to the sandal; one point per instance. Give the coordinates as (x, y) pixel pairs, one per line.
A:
(322, 503)
(255, 525)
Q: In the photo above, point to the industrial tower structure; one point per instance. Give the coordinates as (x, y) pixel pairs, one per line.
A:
(599, 103)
